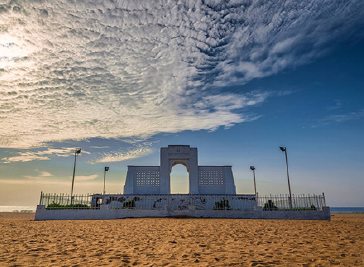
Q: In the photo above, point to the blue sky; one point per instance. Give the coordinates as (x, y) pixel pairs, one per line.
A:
(236, 80)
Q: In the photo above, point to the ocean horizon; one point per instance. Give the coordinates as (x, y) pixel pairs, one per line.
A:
(347, 209)
(33, 209)
(18, 208)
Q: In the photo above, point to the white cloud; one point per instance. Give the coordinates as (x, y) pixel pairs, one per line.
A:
(41, 176)
(121, 156)
(340, 118)
(34, 180)
(30, 155)
(25, 156)
(78, 70)
(344, 117)
(87, 178)
(338, 105)
(44, 177)
(46, 174)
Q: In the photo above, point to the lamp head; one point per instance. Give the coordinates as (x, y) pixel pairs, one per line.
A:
(78, 150)
(282, 148)
(252, 168)
(106, 169)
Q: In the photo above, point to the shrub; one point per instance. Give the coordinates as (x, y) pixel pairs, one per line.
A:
(54, 205)
(222, 205)
(129, 204)
(269, 205)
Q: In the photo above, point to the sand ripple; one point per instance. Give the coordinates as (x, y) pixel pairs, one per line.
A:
(181, 242)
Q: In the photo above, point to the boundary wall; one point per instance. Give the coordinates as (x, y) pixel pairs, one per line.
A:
(104, 213)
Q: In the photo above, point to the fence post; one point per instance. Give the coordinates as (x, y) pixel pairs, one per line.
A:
(323, 195)
(40, 201)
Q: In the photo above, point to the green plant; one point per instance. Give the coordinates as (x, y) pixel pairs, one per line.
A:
(129, 204)
(269, 205)
(54, 205)
(222, 205)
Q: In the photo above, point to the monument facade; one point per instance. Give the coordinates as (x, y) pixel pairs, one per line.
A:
(202, 179)
(212, 194)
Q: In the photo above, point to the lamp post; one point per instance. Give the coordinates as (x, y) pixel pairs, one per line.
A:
(77, 151)
(284, 149)
(103, 198)
(255, 186)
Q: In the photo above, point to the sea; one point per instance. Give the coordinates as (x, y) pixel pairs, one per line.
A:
(33, 208)
(28, 209)
(347, 209)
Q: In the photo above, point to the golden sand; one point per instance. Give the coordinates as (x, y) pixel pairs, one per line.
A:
(181, 242)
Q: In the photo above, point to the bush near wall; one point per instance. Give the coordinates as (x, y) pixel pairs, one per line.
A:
(269, 205)
(54, 205)
(130, 204)
(222, 205)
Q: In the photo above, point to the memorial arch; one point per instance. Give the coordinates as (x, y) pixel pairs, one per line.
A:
(179, 178)
(157, 180)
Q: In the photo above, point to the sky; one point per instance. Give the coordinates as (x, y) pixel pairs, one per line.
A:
(236, 79)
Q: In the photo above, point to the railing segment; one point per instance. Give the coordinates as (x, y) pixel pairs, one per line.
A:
(184, 202)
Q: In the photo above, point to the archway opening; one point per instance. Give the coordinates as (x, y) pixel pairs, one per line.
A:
(179, 179)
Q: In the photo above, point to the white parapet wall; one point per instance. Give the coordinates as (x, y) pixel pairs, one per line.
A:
(104, 213)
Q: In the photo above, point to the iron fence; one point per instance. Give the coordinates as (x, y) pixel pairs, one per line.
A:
(149, 202)
(65, 201)
(184, 202)
(296, 202)
(181, 202)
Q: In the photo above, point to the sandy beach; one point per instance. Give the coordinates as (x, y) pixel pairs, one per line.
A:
(181, 242)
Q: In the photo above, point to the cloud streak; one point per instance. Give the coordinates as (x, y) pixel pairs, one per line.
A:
(339, 118)
(87, 178)
(29, 155)
(121, 156)
(132, 69)
(42, 175)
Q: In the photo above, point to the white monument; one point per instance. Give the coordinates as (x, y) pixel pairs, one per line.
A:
(202, 179)
(212, 194)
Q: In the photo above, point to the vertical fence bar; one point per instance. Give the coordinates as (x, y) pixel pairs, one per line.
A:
(323, 196)
(40, 200)
(290, 207)
(309, 200)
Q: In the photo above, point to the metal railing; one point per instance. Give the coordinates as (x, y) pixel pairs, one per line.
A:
(64, 201)
(149, 202)
(297, 202)
(184, 202)
(181, 202)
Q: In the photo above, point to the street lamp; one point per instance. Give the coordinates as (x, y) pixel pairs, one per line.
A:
(77, 151)
(284, 149)
(255, 186)
(103, 198)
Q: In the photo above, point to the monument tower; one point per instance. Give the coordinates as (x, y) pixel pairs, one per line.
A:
(202, 179)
